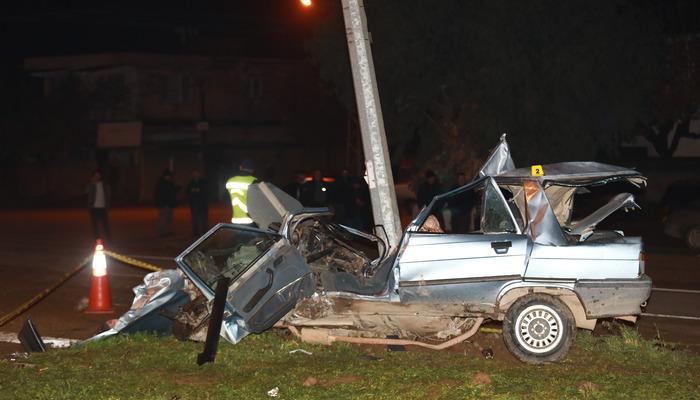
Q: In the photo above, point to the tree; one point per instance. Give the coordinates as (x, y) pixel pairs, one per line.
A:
(565, 79)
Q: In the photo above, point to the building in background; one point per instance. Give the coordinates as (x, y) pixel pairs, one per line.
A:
(147, 112)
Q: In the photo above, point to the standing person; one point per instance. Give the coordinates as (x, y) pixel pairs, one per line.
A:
(99, 195)
(237, 187)
(459, 206)
(166, 199)
(199, 205)
(344, 197)
(295, 189)
(362, 218)
(428, 189)
(315, 192)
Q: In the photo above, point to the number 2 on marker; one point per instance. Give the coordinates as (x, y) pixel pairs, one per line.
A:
(537, 170)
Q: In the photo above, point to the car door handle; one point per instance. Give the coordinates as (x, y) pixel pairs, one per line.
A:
(260, 293)
(501, 247)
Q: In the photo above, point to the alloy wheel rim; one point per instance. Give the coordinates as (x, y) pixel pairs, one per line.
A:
(538, 328)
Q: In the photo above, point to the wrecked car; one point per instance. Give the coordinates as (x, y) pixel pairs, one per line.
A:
(511, 253)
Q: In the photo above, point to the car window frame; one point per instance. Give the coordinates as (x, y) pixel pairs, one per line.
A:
(197, 280)
(486, 180)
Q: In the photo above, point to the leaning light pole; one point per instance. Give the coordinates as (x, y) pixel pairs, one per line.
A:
(374, 143)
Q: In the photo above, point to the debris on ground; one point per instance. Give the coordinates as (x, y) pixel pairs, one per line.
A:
(82, 304)
(274, 392)
(302, 351)
(487, 353)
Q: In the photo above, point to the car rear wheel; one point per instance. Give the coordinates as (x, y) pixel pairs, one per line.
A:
(539, 329)
(692, 238)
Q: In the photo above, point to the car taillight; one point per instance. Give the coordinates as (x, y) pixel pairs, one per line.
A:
(642, 260)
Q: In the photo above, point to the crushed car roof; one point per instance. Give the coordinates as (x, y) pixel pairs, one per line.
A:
(578, 173)
(500, 165)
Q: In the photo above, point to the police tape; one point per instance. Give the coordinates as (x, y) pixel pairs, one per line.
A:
(34, 300)
(132, 261)
(31, 302)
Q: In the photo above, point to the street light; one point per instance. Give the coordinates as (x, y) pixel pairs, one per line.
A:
(306, 3)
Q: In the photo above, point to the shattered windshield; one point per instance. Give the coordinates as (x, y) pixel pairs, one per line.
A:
(228, 252)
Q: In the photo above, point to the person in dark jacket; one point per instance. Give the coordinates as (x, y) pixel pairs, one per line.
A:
(344, 198)
(166, 199)
(460, 205)
(428, 189)
(99, 195)
(296, 188)
(362, 218)
(199, 205)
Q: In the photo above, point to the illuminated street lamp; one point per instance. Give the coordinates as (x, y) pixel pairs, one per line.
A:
(306, 3)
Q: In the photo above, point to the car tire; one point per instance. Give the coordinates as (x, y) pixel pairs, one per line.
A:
(539, 329)
(692, 238)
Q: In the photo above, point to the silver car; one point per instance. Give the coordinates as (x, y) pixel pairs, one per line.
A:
(504, 247)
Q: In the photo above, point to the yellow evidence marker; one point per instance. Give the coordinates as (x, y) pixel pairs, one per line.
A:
(537, 170)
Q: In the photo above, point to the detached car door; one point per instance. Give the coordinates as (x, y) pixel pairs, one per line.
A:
(468, 260)
(268, 276)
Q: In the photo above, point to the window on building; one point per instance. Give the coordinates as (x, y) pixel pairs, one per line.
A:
(255, 87)
(176, 89)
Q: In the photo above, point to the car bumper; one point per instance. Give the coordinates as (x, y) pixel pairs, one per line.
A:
(613, 297)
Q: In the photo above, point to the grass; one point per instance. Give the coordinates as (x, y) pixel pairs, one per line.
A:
(623, 366)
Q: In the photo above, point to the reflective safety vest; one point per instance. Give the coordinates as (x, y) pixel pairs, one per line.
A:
(237, 188)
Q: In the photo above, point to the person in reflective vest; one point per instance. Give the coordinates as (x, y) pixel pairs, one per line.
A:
(237, 187)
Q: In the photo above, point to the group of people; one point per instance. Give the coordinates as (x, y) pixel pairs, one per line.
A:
(165, 198)
(99, 195)
(347, 195)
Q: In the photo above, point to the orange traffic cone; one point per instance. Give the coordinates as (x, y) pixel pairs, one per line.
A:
(100, 302)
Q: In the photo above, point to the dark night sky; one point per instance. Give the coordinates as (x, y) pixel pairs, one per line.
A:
(255, 28)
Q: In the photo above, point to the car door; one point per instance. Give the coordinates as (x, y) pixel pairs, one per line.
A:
(468, 265)
(268, 275)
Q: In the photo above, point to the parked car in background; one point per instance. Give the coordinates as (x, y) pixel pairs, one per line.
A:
(683, 222)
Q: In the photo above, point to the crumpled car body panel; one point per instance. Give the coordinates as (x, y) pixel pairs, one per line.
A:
(155, 304)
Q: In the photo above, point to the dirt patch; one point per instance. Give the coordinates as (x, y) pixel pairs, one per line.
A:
(310, 381)
(342, 380)
(436, 390)
(196, 380)
(588, 388)
(481, 379)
